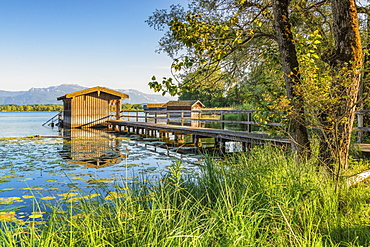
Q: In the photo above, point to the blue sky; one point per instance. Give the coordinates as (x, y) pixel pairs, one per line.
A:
(87, 42)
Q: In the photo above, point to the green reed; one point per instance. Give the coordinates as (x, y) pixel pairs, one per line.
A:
(263, 198)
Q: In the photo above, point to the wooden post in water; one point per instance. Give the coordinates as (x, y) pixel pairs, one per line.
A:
(195, 140)
(222, 117)
(249, 118)
(176, 138)
(220, 144)
(199, 117)
(118, 109)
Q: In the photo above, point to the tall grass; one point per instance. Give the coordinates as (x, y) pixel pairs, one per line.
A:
(258, 199)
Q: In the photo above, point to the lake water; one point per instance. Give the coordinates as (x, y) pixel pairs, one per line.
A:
(39, 171)
(16, 124)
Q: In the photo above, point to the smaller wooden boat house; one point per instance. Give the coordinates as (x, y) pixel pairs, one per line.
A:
(183, 105)
(190, 106)
(91, 107)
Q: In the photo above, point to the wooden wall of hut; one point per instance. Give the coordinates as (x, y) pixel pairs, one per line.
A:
(89, 110)
(67, 113)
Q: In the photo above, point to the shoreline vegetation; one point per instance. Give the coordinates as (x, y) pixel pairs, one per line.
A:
(26, 108)
(54, 107)
(261, 198)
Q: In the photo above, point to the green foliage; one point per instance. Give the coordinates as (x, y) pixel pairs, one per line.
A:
(203, 42)
(210, 90)
(11, 108)
(128, 106)
(166, 86)
(237, 38)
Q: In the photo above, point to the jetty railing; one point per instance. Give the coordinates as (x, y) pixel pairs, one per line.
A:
(54, 121)
(195, 118)
(199, 118)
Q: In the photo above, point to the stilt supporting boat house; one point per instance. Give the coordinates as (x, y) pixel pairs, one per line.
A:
(90, 107)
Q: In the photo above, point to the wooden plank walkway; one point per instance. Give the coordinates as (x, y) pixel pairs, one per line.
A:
(365, 148)
(199, 132)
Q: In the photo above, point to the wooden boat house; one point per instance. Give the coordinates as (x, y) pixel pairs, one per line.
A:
(90, 107)
(191, 106)
(183, 105)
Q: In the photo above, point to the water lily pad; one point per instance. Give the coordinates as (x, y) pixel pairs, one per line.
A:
(31, 188)
(114, 195)
(100, 181)
(48, 198)
(90, 196)
(28, 197)
(6, 189)
(35, 215)
(9, 200)
(66, 195)
(6, 217)
(52, 189)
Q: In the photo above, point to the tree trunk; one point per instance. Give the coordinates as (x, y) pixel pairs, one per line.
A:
(290, 68)
(346, 64)
(365, 80)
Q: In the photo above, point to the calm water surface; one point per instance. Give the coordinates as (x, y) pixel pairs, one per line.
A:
(39, 171)
(15, 124)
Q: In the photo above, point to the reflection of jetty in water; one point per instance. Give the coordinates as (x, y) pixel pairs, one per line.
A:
(92, 148)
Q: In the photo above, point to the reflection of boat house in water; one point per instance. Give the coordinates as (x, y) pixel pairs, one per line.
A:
(90, 107)
(92, 148)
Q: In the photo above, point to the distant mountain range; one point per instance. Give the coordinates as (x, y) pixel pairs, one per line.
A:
(49, 95)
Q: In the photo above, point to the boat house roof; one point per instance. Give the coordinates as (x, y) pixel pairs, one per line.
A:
(190, 103)
(92, 90)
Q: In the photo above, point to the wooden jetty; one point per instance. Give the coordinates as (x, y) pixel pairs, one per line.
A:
(165, 123)
(221, 136)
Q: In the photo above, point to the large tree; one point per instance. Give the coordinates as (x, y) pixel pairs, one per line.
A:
(346, 66)
(290, 67)
(345, 62)
(238, 35)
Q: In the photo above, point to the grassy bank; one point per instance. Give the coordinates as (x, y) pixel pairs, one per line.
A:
(263, 199)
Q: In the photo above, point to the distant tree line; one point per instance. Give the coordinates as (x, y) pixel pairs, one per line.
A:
(128, 106)
(51, 107)
(37, 107)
